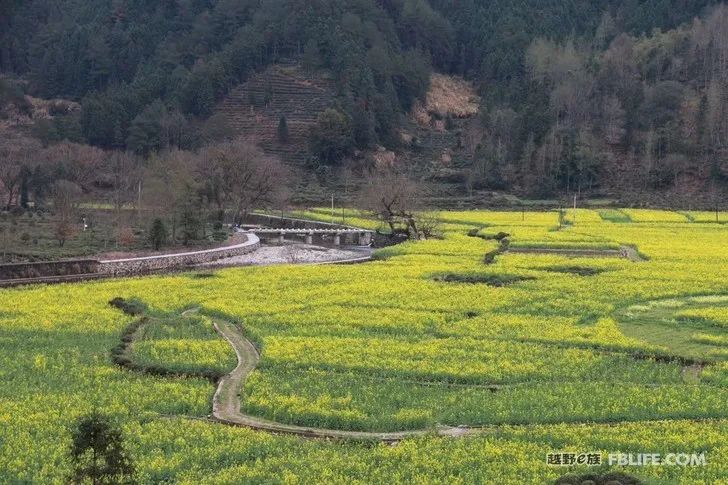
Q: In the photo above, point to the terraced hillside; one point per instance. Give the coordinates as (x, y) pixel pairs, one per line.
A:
(255, 108)
(285, 90)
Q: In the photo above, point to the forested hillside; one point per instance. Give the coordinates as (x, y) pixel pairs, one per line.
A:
(600, 99)
(576, 96)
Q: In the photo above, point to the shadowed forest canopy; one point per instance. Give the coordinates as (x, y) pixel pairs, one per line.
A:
(120, 57)
(575, 95)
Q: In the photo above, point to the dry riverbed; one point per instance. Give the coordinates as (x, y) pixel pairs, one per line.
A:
(292, 254)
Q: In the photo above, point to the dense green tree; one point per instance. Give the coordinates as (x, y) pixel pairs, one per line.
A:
(282, 130)
(197, 96)
(97, 452)
(363, 127)
(332, 137)
(146, 132)
(311, 55)
(189, 216)
(158, 234)
(412, 79)
(191, 55)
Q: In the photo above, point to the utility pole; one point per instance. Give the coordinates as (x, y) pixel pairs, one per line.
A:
(715, 199)
(574, 209)
(332, 208)
(139, 203)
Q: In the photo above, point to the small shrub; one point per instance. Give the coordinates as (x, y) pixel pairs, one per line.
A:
(130, 307)
(203, 275)
(490, 256)
(576, 270)
(611, 478)
(125, 237)
(64, 231)
(489, 237)
(495, 280)
(495, 237)
(58, 109)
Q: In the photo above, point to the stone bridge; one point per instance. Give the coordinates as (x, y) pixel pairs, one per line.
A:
(361, 236)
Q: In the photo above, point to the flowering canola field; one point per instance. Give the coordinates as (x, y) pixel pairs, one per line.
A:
(574, 354)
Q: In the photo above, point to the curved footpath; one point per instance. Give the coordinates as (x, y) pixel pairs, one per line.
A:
(226, 406)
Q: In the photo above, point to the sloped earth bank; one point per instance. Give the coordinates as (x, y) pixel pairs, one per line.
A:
(627, 252)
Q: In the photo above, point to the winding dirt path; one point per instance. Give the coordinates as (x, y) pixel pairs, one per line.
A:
(226, 405)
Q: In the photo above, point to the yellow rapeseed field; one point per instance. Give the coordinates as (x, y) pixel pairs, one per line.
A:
(584, 354)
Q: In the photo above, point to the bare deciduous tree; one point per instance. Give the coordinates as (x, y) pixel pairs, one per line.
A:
(168, 180)
(397, 199)
(250, 178)
(80, 163)
(66, 198)
(15, 155)
(614, 120)
(122, 169)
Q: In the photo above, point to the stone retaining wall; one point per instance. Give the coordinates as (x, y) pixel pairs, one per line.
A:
(162, 262)
(16, 271)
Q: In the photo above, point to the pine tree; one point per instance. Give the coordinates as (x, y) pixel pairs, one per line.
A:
(118, 142)
(311, 55)
(158, 234)
(363, 128)
(283, 135)
(98, 454)
(332, 137)
(268, 94)
(189, 218)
